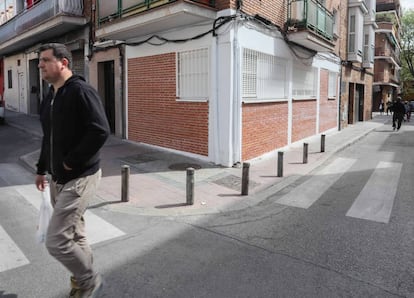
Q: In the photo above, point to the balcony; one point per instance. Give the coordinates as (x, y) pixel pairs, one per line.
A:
(386, 78)
(386, 52)
(44, 20)
(127, 19)
(390, 30)
(310, 24)
(386, 5)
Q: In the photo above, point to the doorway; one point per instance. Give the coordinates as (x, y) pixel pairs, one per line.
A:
(360, 89)
(34, 83)
(351, 96)
(106, 86)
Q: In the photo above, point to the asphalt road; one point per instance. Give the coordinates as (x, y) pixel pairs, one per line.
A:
(345, 230)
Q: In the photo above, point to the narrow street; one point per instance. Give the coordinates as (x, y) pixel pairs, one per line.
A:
(345, 230)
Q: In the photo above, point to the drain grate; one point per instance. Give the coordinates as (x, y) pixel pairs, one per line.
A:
(183, 166)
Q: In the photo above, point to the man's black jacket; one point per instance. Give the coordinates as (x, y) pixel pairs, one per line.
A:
(75, 127)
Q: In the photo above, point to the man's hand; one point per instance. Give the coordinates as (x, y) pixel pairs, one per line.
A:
(41, 182)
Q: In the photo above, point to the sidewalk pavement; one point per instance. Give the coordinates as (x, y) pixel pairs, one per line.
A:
(157, 181)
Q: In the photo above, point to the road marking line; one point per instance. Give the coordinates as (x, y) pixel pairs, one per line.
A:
(10, 254)
(376, 199)
(97, 229)
(310, 191)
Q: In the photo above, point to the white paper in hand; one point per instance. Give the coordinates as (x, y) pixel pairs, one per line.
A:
(45, 213)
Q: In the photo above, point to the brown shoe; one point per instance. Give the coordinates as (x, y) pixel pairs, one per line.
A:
(92, 292)
(74, 288)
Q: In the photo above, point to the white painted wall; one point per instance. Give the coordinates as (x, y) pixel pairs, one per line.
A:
(225, 114)
(16, 97)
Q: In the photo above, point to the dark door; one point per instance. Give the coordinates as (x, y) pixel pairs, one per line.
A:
(360, 91)
(34, 83)
(106, 77)
(351, 103)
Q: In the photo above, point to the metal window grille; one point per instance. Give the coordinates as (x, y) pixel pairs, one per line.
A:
(193, 74)
(304, 84)
(263, 76)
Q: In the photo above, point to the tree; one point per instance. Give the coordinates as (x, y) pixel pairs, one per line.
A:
(407, 49)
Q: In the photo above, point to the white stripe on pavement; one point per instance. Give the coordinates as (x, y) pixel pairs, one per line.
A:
(376, 199)
(310, 191)
(97, 229)
(10, 255)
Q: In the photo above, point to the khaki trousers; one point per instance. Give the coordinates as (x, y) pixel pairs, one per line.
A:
(66, 237)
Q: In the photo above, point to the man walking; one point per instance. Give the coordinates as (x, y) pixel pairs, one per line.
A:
(399, 112)
(74, 129)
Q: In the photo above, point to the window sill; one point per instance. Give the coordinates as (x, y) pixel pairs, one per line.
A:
(256, 100)
(304, 98)
(191, 99)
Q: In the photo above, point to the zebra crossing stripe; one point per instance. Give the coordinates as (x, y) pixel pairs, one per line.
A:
(376, 199)
(310, 191)
(97, 229)
(10, 254)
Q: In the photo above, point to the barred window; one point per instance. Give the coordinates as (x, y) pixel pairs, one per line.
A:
(193, 75)
(263, 76)
(304, 82)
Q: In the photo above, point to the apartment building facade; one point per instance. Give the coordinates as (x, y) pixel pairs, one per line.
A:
(387, 52)
(24, 26)
(226, 81)
(357, 62)
(222, 80)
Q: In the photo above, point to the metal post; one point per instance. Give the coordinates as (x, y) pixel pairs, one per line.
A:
(322, 143)
(280, 164)
(245, 179)
(190, 186)
(305, 152)
(125, 183)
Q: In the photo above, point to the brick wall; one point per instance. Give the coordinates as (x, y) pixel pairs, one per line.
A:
(78, 62)
(154, 115)
(273, 10)
(264, 128)
(303, 119)
(328, 110)
(225, 4)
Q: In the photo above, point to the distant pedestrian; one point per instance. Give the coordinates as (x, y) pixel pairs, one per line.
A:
(381, 108)
(74, 129)
(407, 111)
(389, 107)
(398, 114)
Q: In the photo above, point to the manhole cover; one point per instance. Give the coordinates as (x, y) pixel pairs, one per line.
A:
(135, 159)
(234, 182)
(183, 166)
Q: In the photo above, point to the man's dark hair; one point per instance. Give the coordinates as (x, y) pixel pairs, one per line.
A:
(60, 51)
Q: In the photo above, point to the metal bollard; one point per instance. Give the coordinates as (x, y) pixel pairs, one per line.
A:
(245, 179)
(125, 183)
(305, 152)
(280, 164)
(322, 143)
(190, 186)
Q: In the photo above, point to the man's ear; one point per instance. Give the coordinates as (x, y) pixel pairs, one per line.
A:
(65, 62)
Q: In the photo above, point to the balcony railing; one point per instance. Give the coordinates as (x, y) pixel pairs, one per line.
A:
(386, 77)
(109, 10)
(311, 15)
(388, 51)
(39, 13)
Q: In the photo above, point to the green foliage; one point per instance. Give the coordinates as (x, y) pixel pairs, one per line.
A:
(407, 44)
